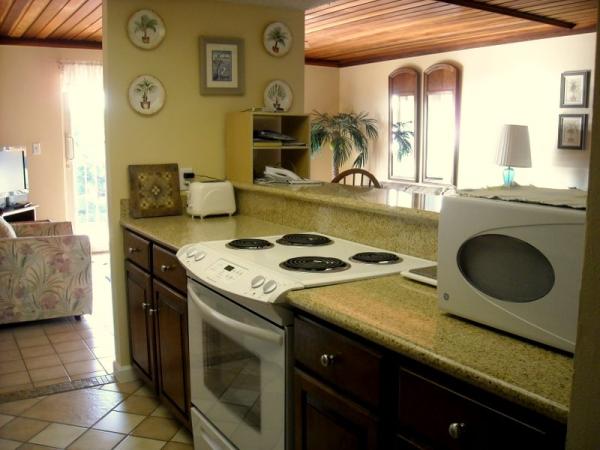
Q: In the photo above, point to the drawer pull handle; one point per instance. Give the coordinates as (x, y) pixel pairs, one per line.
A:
(152, 311)
(327, 360)
(133, 250)
(164, 267)
(145, 305)
(456, 430)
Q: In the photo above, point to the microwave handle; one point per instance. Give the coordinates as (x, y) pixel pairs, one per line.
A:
(216, 318)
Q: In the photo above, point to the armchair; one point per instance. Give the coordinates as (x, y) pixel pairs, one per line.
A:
(45, 272)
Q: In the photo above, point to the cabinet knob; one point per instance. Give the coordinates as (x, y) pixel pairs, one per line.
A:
(152, 311)
(456, 430)
(145, 305)
(326, 360)
(164, 268)
(132, 250)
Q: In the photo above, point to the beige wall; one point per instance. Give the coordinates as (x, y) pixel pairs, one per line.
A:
(190, 128)
(512, 83)
(321, 93)
(584, 417)
(31, 111)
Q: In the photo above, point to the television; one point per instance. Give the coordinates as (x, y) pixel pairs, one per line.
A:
(13, 171)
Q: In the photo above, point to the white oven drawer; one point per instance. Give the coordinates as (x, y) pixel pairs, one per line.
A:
(237, 371)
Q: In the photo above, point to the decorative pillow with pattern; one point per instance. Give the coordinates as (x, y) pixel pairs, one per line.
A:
(6, 230)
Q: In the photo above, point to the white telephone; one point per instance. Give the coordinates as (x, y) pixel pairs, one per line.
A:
(280, 175)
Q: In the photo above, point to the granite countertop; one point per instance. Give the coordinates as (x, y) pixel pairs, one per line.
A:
(403, 316)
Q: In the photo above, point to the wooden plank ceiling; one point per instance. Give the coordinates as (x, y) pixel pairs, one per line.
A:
(343, 32)
(72, 23)
(350, 32)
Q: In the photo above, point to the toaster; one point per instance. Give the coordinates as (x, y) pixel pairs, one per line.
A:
(210, 198)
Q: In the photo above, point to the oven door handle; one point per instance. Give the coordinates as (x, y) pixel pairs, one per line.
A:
(218, 319)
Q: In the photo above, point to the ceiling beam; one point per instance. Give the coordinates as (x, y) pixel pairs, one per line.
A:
(510, 12)
(4, 40)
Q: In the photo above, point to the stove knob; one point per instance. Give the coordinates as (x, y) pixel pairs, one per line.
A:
(270, 286)
(257, 281)
(191, 253)
(199, 256)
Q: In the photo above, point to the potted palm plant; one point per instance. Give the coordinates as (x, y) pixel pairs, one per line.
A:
(402, 138)
(144, 24)
(343, 132)
(278, 36)
(144, 87)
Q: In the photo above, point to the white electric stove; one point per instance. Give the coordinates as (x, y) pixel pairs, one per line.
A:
(239, 327)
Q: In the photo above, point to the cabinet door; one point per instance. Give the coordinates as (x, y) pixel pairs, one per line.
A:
(325, 420)
(141, 330)
(172, 349)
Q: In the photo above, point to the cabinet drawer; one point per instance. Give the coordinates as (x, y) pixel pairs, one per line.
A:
(433, 416)
(137, 249)
(167, 268)
(346, 364)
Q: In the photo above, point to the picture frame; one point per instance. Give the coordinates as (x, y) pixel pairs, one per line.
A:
(572, 131)
(277, 39)
(574, 89)
(146, 29)
(221, 66)
(146, 95)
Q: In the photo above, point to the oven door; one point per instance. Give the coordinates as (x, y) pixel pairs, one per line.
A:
(237, 370)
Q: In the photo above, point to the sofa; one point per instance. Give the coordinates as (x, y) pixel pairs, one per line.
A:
(45, 272)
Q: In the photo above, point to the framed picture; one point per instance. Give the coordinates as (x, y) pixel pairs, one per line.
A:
(146, 95)
(221, 66)
(277, 39)
(574, 87)
(146, 29)
(572, 129)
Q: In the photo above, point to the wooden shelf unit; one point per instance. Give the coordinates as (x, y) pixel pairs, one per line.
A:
(245, 161)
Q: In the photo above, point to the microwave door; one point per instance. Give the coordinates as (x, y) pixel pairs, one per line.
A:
(237, 367)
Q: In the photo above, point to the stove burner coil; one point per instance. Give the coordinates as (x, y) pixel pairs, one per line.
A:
(249, 244)
(304, 240)
(315, 264)
(376, 258)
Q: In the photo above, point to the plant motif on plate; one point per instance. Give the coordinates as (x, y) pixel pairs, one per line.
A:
(279, 37)
(144, 88)
(144, 24)
(277, 95)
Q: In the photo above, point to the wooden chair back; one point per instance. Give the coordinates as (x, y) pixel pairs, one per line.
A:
(357, 174)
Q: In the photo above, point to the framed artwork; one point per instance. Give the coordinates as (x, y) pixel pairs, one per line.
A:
(278, 96)
(146, 95)
(574, 88)
(146, 29)
(277, 39)
(221, 66)
(154, 190)
(572, 129)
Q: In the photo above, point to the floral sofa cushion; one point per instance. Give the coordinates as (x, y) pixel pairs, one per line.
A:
(44, 276)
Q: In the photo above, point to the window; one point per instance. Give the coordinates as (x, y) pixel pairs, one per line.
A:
(427, 154)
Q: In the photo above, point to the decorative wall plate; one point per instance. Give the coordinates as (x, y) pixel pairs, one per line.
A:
(146, 95)
(278, 96)
(277, 39)
(145, 29)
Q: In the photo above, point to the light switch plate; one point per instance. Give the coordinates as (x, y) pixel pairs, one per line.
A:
(36, 148)
(182, 185)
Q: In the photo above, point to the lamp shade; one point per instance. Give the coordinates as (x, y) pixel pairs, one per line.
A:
(514, 149)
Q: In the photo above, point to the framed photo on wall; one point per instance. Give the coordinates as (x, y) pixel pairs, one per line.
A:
(221, 66)
(572, 129)
(574, 89)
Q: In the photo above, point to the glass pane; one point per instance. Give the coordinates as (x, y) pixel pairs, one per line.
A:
(232, 374)
(403, 117)
(441, 129)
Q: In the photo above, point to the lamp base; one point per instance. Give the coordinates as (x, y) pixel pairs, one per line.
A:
(508, 175)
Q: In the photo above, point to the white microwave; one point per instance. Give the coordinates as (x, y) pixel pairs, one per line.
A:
(512, 266)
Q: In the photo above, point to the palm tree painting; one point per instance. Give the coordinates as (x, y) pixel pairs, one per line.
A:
(279, 37)
(144, 88)
(343, 132)
(402, 138)
(144, 24)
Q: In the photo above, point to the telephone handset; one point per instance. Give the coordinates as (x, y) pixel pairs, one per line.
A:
(280, 174)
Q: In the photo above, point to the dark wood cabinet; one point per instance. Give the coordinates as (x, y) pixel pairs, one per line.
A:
(141, 328)
(157, 307)
(172, 348)
(326, 420)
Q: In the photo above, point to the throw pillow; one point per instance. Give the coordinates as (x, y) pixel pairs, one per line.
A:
(6, 230)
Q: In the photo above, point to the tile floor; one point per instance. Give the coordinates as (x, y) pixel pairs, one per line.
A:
(120, 416)
(47, 352)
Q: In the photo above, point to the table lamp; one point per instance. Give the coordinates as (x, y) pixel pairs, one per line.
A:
(513, 151)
